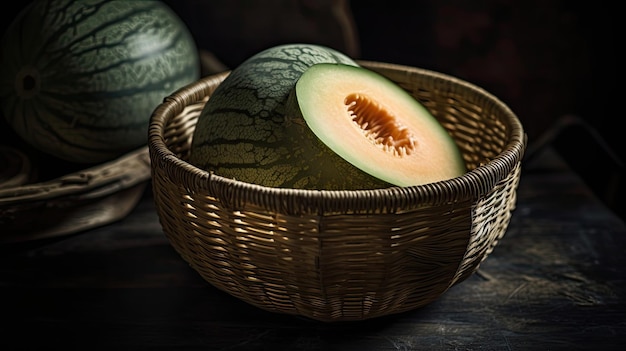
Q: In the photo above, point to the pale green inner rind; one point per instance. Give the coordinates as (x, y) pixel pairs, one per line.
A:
(321, 92)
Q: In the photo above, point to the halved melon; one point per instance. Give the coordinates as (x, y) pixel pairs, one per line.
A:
(374, 124)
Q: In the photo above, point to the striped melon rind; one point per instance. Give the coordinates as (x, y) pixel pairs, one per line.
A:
(243, 133)
(80, 79)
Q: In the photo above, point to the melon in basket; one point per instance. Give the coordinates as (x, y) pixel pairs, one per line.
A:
(306, 116)
(79, 79)
(342, 255)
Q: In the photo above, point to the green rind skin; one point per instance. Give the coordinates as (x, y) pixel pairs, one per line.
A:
(243, 131)
(101, 69)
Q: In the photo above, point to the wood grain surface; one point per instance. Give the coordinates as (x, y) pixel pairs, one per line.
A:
(555, 282)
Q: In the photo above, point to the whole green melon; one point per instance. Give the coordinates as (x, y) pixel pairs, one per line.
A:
(80, 79)
(245, 133)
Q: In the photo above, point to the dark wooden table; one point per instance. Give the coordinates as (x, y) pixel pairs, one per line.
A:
(555, 282)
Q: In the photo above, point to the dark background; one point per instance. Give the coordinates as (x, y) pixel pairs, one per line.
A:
(555, 63)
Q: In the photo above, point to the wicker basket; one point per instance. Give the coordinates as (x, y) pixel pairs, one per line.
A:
(73, 202)
(341, 255)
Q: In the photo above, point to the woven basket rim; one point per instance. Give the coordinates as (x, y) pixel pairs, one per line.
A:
(104, 179)
(471, 185)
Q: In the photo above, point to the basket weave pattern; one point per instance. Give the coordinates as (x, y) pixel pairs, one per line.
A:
(76, 201)
(342, 255)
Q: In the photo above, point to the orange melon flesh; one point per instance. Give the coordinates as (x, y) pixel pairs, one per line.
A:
(376, 125)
